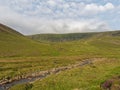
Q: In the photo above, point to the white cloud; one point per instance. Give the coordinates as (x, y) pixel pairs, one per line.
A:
(51, 7)
(94, 8)
(52, 16)
(34, 26)
(51, 2)
(109, 6)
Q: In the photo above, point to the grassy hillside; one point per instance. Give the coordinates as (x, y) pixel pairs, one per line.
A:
(103, 44)
(15, 47)
(61, 37)
(70, 36)
(6, 30)
(20, 55)
(14, 44)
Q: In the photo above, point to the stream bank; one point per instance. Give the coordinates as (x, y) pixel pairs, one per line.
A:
(6, 84)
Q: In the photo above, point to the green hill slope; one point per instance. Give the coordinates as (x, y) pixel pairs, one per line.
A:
(6, 30)
(61, 37)
(70, 36)
(88, 44)
(14, 44)
(20, 55)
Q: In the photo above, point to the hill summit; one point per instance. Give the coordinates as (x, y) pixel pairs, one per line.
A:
(8, 30)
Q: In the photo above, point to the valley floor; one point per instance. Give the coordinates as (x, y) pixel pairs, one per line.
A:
(21, 56)
(88, 77)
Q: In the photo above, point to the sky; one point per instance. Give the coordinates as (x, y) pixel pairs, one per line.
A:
(60, 16)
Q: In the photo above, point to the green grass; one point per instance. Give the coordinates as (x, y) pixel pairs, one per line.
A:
(20, 55)
(61, 37)
(85, 78)
(17, 45)
(22, 87)
(71, 36)
(88, 77)
(13, 44)
(11, 67)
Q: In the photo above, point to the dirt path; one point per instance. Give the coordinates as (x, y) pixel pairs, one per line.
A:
(6, 84)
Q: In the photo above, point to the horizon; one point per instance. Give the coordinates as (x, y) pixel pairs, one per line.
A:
(62, 33)
(60, 16)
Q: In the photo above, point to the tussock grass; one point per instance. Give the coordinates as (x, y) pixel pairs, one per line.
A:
(11, 67)
(84, 78)
(88, 77)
